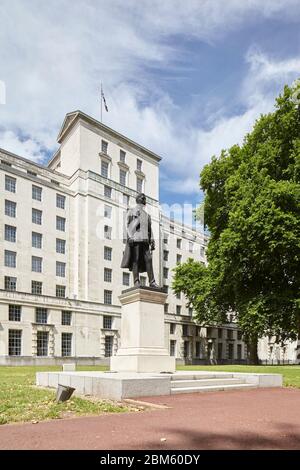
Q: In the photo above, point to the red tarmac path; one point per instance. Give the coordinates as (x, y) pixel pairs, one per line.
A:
(253, 419)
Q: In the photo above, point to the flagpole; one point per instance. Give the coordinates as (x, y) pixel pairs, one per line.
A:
(101, 103)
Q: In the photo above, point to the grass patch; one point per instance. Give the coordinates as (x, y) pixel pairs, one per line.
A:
(21, 401)
(291, 374)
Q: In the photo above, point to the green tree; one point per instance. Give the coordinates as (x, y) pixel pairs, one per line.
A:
(252, 210)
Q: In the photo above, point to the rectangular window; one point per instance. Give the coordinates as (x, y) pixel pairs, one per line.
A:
(178, 310)
(66, 344)
(60, 201)
(190, 311)
(172, 328)
(36, 240)
(36, 216)
(166, 289)
(60, 269)
(172, 347)
(10, 233)
(202, 251)
(172, 228)
(166, 238)
(10, 184)
(166, 255)
(230, 351)
(10, 283)
(108, 297)
(31, 173)
(166, 308)
(60, 291)
(178, 295)
(220, 333)
(36, 287)
(108, 346)
(14, 312)
(10, 258)
(166, 272)
(60, 223)
(41, 315)
(36, 193)
(107, 322)
(191, 247)
(229, 334)
(60, 246)
(107, 274)
(104, 146)
(107, 232)
(42, 343)
(125, 199)
(186, 349)
(14, 342)
(178, 259)
(66, 317)
(239, 335)
(126, 279)
(220, 350)
(122, 156)
(104, 168)
(198, 348)
(139, 185)
(123, 175)
(10, 208)
(107, 211)
(36, 264)
(107, 253)
(107, 192)
(139, 164)
(178, 243)
(185, 329)
(239, 351)
(143, 281)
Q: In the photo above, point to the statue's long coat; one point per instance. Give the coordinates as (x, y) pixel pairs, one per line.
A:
(132, 215)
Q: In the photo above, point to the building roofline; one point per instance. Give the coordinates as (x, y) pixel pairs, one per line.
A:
(69, 123)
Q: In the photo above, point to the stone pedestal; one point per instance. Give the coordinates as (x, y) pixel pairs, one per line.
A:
(142, 333)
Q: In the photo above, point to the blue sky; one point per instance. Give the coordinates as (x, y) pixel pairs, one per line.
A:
(184, 78)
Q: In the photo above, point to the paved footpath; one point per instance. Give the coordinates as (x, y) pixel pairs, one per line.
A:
(253, 419)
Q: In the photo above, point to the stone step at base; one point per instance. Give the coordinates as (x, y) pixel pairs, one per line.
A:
(204, 382)
(195, 376)
(212, 388)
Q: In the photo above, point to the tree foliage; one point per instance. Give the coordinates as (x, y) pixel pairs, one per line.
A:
(252, 210)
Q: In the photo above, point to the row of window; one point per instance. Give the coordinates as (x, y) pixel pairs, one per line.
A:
(123, 173)
(11, 185)
(10, 231)
(42, 347)
(41, 316)
(10, 284)
(179, 246)
(10, 260)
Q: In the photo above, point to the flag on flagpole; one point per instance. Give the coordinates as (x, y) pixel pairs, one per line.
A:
(104, 101)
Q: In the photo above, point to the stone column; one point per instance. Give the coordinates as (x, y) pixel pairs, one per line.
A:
(142, 333)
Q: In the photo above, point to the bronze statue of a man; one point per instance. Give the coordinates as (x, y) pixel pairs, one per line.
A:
(140, 242)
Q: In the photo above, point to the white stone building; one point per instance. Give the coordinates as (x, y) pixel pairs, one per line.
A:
(61, 246)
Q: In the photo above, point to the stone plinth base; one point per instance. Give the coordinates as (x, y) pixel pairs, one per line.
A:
(142, 346)
(137, 363)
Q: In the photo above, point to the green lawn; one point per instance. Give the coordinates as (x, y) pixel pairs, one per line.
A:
(20, 400)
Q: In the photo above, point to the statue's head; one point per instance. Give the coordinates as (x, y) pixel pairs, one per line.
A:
(141, 199)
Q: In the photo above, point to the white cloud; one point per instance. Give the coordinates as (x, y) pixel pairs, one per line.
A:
(54, 55)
